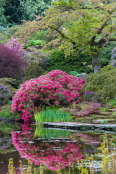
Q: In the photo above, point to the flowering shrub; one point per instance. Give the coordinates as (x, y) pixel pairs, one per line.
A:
(90, 96)
(55, 88)
(14, 45)
(5, 94)
(88, 108)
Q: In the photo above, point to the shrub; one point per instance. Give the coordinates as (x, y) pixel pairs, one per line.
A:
(11, 83)
(105, 54)
(88, 109)
(113, 102)
(32, 55)
(5, 94)
(11, 65)
(78, 63)
(102, 83)
(15, 46)
(83, 109)
(74, 73)
(89, 96)
(32, 70)
(55, 88)
(35, 42)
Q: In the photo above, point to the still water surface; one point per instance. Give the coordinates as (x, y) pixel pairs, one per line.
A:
(49, 149)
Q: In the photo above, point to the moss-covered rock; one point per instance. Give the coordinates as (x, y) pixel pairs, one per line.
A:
(11, 83)
(102, 83)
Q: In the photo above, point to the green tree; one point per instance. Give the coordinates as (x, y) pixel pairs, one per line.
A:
(83, 25)
(2, 16)
(14, 11)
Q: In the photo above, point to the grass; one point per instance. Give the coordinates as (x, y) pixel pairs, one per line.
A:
(52, 115)
(5, 112)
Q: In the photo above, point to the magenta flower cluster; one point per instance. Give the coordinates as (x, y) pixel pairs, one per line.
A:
(55, 88)
(14, 45)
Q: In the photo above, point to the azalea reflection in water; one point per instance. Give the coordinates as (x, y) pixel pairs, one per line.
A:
(51, 152)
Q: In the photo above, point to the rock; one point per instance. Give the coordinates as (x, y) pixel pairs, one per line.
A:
(11, 83)
(82, 76)
(113, 57)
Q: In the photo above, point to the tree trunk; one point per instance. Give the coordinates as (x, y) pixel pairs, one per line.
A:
(96, 63)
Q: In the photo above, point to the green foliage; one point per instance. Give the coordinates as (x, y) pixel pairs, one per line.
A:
(102, 83)
(113, 102)
(32, 8)
(5, 113)
(52, 115)
(14, 11)
(104, 121)
(35, 42)
(84, 26)
(105, 53)
(104, 109)
(26, 30)
(41, 34)
(74, 73)
(11, 83)
(3, 20)
(78, 63)
(32, 70)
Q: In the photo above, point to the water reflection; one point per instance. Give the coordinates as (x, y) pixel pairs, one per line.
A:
(53, 153)
(55, 149)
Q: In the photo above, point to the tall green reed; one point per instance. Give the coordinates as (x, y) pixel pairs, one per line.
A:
(52, 115)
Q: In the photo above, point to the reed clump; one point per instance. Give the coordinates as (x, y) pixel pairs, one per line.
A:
(51, 115)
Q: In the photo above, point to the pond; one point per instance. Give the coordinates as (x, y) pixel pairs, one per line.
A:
(50, 150)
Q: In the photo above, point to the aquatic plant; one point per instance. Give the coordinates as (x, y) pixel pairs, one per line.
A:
(53, 89)
(106, 157)
(52, 115)
(29, 170)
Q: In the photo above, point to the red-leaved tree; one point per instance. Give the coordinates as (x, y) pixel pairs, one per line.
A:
(11, 64)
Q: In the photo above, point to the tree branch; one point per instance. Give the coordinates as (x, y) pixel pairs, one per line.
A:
(62, 34)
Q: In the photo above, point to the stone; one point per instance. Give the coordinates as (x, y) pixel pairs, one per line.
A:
(113, 57)
(82, 76)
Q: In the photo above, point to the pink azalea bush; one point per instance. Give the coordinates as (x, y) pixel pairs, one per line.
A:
(14, 45)
(55, 88)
